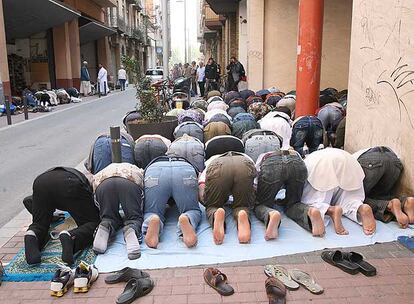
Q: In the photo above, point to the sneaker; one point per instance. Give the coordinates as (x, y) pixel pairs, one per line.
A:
(85, 275)
(62, 281)
(100, 242)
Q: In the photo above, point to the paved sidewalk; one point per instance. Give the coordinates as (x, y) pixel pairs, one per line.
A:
(393, 284)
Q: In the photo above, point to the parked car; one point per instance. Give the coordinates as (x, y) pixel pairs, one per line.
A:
(155, 74)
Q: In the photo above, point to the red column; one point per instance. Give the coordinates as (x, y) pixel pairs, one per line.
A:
(308, 74)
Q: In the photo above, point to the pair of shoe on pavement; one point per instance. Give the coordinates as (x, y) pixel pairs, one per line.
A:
(350, 262)
(105, 232)
(81, 278)
(139, 284)
(280, 278)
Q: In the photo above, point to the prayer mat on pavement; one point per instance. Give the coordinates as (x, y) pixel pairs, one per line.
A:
(19, 271)
(172, 252)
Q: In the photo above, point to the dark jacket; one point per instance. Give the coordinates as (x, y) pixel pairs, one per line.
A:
(236, 70)
(85, 74)
(212, 71)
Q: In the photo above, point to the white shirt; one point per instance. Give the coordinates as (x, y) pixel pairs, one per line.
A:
(201, 71)
(121, 74)
(280, 123)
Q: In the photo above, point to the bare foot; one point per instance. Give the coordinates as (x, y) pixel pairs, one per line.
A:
(395, 207)
(409, 209)
(318, 226)
(153, 231)
(367, 218)
(272, 230)
(218, 229)
(243, 226)
(335, 212)
(189, 235)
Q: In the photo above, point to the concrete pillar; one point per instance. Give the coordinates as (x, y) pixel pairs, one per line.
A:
(308, 75)
(63, 63)
(75, 52)
(255, 47)
(4, 66)
(104, 56)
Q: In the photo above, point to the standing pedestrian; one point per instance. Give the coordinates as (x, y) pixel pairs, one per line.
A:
(212, 75)
(201, 77)
(235, 72)
(85, 88)
(194, 68)
(187, 71)
(102, 80)
(122, 76)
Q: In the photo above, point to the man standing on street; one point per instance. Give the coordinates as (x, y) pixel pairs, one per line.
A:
(194, 68)
(85, 88)
(235, 71)
(122, 77)
(201, 77)
(211, 75)
(102, 80)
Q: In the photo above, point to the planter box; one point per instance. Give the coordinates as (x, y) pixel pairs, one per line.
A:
(137, 128)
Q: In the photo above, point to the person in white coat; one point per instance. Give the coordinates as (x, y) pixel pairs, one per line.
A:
(102, 80)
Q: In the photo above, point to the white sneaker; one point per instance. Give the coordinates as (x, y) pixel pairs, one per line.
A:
(85, 275)
(62, 281)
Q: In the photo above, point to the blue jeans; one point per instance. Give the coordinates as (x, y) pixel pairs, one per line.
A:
(122, 83)
(173, 178)
(309, 130)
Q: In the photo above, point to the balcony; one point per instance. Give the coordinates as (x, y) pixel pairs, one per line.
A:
(119, 23)
(224, 6)
(212, 20)
(138, 35)
(128, 31)
(106, 3)
(136, 3)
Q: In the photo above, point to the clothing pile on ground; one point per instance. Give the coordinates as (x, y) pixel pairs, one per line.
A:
(237, 151)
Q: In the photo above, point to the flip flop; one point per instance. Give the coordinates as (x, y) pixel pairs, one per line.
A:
(306, 281)
(363, 266)
(134, 289)
(281, 273)
(337, 258)
(218, 281)
(275, 291)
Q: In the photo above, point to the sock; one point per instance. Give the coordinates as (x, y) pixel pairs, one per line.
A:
(100, 243)
(31, 248)
(132, 243)
(67, 247)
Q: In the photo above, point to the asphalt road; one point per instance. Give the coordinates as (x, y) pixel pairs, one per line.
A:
(60, 138)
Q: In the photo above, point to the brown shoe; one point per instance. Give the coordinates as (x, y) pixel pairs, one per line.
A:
(218, 281)
(276, 291)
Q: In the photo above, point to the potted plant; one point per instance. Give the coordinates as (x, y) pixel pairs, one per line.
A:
(151, 118)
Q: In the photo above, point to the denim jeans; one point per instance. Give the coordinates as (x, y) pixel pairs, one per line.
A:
(102, 155)
(117, 191)
(122, 83)
(282, 169)
(190, 128)
(309, 130)
(257, 142)
(330, 116)
(189, 148)
(170, 178)
(382, 169)
(148, 149)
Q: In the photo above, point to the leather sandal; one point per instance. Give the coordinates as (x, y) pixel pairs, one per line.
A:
(363, 266)
(218, 281)
(126, 274)
(275, 290)
(337, 258)
(134, 289)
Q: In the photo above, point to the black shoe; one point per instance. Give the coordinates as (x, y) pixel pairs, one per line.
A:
(67, 247)
(31, 248)
(125, 275)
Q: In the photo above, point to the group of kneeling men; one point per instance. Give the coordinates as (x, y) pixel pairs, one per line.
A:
(135, 194)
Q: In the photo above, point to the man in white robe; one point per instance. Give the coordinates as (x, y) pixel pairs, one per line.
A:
(103, 80)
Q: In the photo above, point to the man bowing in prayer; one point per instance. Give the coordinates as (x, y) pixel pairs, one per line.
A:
(102, 80)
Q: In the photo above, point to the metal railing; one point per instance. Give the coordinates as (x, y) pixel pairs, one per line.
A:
(119, 23)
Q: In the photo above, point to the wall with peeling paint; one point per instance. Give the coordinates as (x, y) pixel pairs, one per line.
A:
(381, 81)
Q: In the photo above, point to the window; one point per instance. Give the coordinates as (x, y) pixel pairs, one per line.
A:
(154, 73)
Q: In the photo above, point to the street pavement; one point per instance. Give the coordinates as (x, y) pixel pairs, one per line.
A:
(60, 138)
